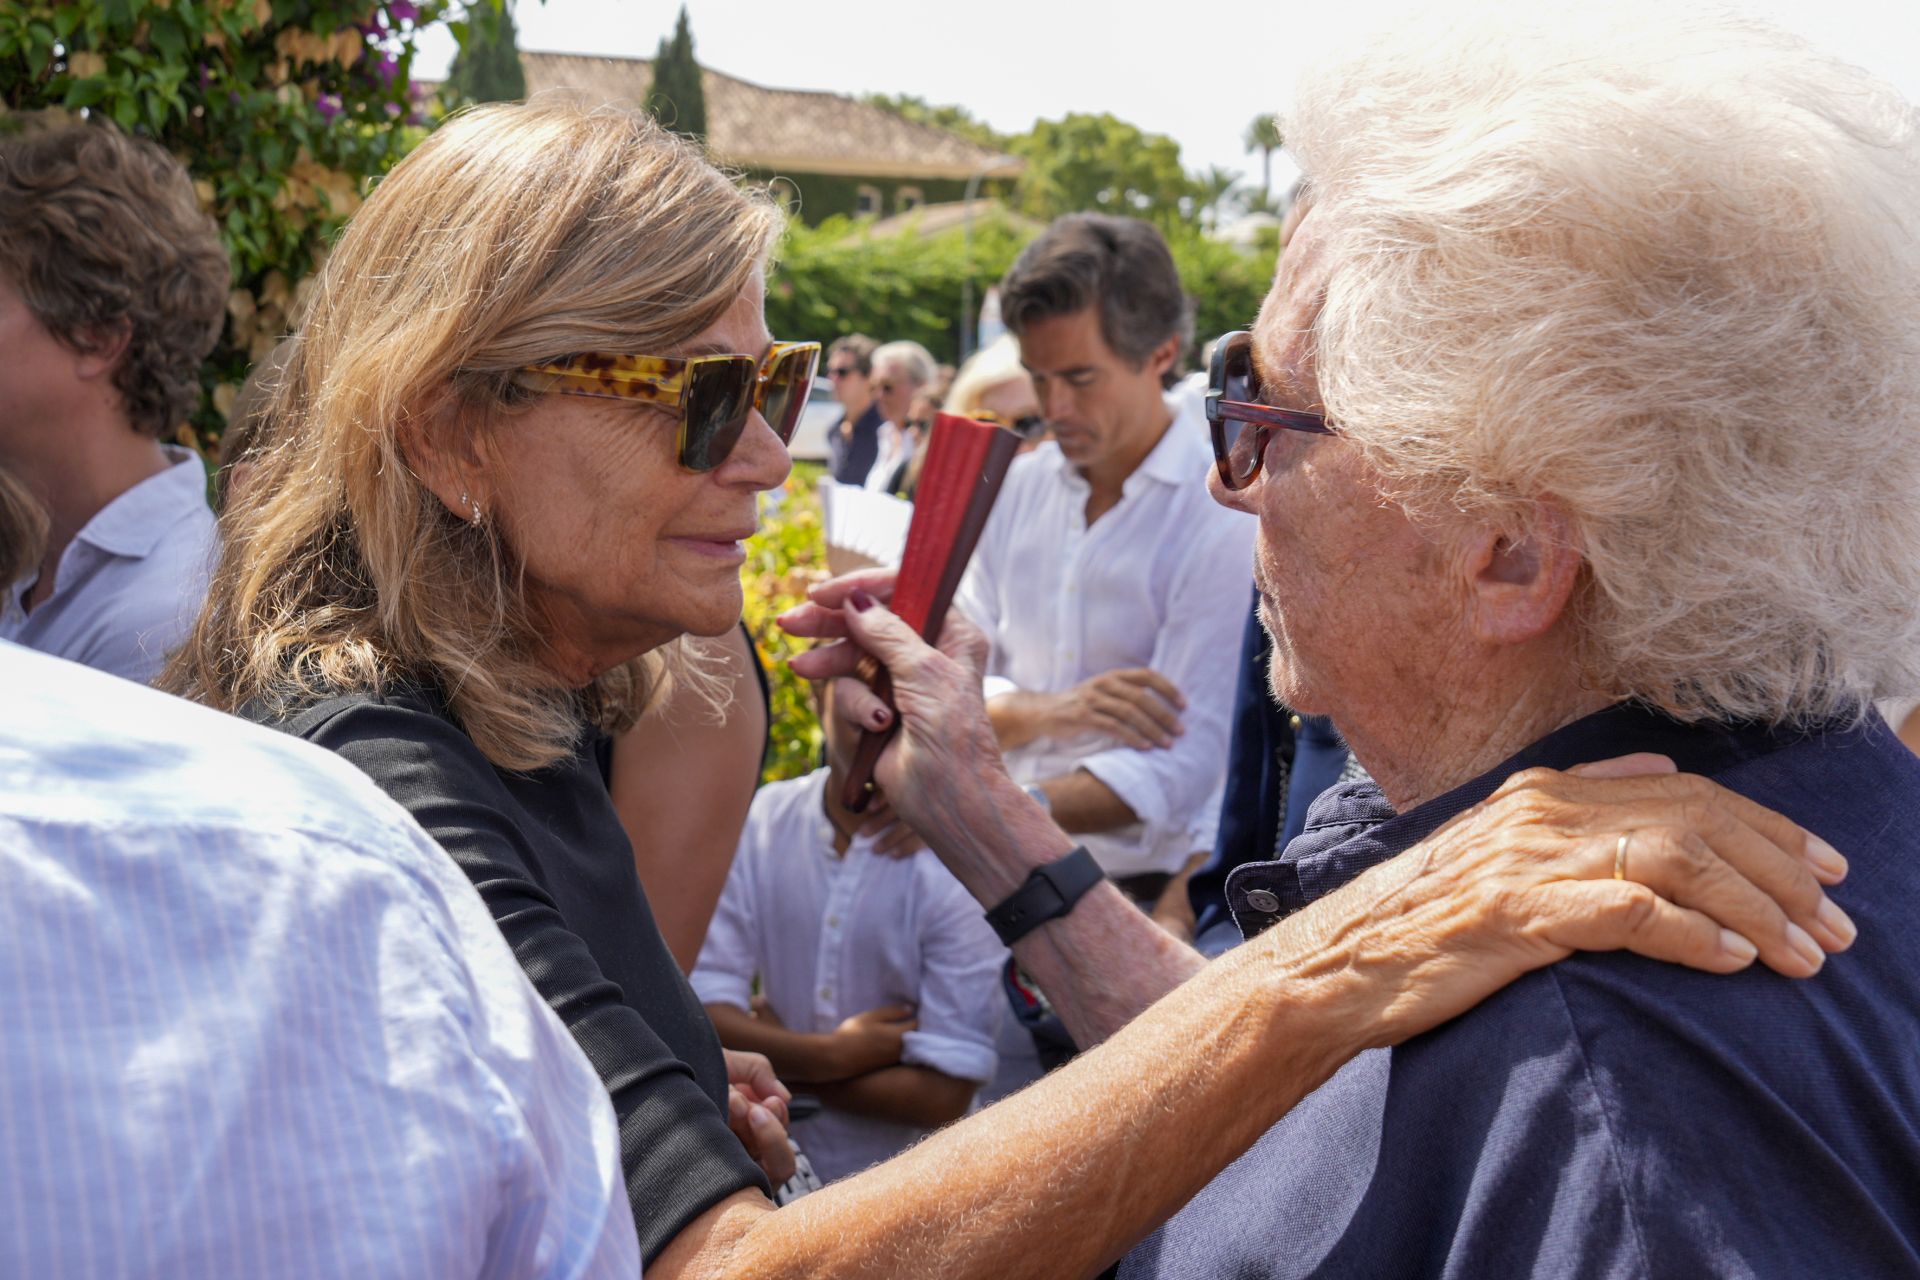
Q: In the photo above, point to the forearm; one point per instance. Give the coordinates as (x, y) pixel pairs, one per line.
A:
(798, 1057)
(904, 1094)
(1017, 718)
(1113, 1143)
(1101, 963)
(1078, 802)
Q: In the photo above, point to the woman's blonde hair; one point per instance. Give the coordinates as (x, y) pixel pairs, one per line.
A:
(993, 365)
(1662, 270)
(515, 234)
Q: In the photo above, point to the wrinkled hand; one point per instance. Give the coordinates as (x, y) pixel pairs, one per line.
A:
(933, 768)
(1136, 706)
(1526, 878)
(757, 1112)
(872, 1040)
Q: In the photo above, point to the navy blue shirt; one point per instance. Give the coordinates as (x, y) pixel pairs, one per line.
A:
(1609, 1115)
(850, 456)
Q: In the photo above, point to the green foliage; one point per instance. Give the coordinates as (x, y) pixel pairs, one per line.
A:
(953, 119)
(823, 195)
(487, 67)
(678, 100)
(786, 557)
(1102, 164)
(284, 111)
(834, 279)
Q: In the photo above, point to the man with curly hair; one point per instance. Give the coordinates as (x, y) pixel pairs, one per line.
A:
(113, 284)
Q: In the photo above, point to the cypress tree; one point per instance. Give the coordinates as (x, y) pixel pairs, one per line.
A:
(487, 68)
(677, 100)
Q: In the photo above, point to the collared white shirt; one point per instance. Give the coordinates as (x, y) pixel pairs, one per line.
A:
(131, 582)
(257, 1023)
(1158, 581)
(832, 935)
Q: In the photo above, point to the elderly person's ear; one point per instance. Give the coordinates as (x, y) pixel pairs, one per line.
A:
(1521, 574)
(449, 457)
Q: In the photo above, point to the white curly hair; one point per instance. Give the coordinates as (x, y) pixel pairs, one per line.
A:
(1662, 269)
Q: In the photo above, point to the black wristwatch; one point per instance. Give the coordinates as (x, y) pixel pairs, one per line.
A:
(1048, 894)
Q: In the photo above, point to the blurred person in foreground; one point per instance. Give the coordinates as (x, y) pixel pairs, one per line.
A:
(113, 288)
(514, 458)
(1581, 420)
(176, 953)
(1111, 588)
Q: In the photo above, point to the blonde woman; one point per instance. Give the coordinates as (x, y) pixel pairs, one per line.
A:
(515, 453)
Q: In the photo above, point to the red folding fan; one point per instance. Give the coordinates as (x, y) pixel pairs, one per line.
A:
(966, 463)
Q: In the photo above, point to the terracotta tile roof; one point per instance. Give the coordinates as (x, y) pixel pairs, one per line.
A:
(796, 130)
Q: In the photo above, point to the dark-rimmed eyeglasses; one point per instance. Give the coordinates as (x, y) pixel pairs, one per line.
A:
(1240, 424)
(837, 372)
(714, 395)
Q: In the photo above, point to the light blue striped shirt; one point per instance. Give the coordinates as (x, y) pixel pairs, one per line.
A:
(253, 1022)
(129, 585)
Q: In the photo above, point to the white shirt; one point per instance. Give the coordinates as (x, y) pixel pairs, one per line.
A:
(131, 582)
(896, 450)
(830, 936)
(1158, 581)
(258, 1024)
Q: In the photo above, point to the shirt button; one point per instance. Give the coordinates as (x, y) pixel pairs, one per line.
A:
(1293, 722)
(1263, 900)
(826, 993)
(833, 922)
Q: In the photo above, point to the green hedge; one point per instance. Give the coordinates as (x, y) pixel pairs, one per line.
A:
(835, 279)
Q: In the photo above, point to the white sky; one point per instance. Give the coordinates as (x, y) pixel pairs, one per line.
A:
(1197, 72)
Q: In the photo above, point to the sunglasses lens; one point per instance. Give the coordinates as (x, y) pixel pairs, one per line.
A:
(788, 382)
(719, 397)
(1244, 441)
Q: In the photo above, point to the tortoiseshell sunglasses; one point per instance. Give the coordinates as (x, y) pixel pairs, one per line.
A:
(713, 394)
(1233, 405)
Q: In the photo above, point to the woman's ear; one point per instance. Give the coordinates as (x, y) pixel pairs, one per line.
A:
(1523, 574)
(448, 455)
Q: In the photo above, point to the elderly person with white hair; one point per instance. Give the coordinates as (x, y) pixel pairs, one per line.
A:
(899, 370)
(1580, 421)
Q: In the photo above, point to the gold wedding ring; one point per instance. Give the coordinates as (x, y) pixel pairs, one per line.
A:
(867, 669)
(1620, 855)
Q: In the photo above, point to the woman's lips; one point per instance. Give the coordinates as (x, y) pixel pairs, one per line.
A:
(722, 546)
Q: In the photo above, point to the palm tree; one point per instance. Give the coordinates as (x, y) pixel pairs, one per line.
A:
(1211, 189)
(1263, 135)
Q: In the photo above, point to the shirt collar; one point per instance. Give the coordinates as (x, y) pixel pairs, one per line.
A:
(133, 523)
(1184, 452)
(1351, 828)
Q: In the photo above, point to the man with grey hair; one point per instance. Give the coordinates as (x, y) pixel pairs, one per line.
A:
(900, 370)
(1111, 588)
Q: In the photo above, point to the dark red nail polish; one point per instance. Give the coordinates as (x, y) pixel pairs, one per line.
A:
(879, 717)
(860, 600)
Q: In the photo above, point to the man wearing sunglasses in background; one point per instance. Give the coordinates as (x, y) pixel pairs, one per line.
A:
(854, 441)
(1111, 587)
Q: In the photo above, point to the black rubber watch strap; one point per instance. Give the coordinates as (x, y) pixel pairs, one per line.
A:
(1048, 894)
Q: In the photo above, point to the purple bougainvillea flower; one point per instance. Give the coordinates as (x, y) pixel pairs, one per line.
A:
(402, 10)
(387, 68)
(328, 105)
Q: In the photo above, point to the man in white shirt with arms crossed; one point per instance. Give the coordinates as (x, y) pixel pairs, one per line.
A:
(1111, 586)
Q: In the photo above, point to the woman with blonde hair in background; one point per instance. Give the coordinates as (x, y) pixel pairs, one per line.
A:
(515, 454)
